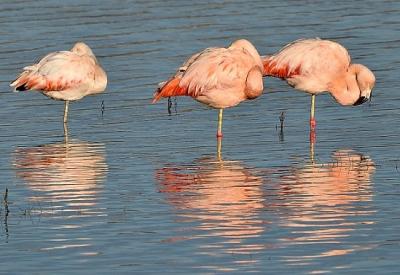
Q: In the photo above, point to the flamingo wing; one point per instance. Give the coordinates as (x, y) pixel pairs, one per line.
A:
(213, 68)
(217, 69)
(56, 72)
(307, 57)
(182, 69)
(172, 87)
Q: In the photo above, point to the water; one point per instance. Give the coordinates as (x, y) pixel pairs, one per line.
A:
(137, 190)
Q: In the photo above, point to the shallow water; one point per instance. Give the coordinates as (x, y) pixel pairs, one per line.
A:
(137, 190)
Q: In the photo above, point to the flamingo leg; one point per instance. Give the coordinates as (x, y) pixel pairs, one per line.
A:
(312, 152)
(66, 111)
(312, 113)
(313, 122)
(219, 149)
(219, 131)
(66, 133)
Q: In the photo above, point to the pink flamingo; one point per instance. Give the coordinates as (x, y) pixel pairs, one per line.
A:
(218, 77)
(64, 75)
(316, 66)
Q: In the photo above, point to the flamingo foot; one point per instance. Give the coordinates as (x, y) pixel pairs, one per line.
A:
(313, 124)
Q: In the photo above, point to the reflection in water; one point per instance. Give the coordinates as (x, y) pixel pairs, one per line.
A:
(66, 179)
(324, 203)
(223, 196)
(6, 210)
(66, 176)
(313, 211)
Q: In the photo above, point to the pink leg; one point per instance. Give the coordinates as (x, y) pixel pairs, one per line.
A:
(313, 124)
(313, 136)
(219, 129)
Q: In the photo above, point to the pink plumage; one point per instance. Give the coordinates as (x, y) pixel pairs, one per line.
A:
(218, 77)
(64, 75)
(315, 66)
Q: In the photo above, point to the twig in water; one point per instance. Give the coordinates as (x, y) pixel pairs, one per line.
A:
(175, 105)
(282, 119)
(7, 211)
(169, 105)
(5, 200)
(5, 195)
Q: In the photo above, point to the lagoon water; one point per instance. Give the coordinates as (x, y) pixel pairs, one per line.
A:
(138, 190)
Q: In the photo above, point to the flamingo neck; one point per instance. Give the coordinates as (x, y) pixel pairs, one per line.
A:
(254, 83)
(100, 81)
(345, 89)
(355, 68)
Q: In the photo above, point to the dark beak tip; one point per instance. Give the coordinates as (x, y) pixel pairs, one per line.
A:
(360, 101)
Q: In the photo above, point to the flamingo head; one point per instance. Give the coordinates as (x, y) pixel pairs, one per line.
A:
(365, 81)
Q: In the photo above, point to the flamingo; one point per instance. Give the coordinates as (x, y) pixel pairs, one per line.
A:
(218, 77)
(318, 202)
(68, 176)
(64, 75)
(230, 214)
(316, 66)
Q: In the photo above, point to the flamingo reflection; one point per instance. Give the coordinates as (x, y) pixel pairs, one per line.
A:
(223, 197)
(324, 203)
(66, 177)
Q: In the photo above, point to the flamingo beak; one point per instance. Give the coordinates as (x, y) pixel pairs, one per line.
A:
(364, 96)
(361, 100)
